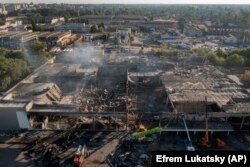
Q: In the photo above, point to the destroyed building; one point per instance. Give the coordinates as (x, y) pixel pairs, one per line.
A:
(191, 88)
(118, 92)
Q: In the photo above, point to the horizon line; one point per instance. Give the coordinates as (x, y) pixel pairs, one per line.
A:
(134, 3)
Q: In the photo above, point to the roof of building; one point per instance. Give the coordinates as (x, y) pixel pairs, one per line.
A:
(165, 21)
(54, 108)
(98, 16)
(194, 83)
(53, 34)
(17, 34)
(199, 96)
(13, 103)
(199, 126)
(238, 107)
(41, 93)
(129, 17)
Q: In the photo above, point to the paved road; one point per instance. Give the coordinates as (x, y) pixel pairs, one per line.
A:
(98, 158)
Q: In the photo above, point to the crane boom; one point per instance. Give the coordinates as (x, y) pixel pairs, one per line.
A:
(189, 139)
(188, 143)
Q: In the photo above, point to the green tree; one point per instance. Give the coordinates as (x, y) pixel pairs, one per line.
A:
(246, 76)
(181, 24)
(66, 19)
(2, 51)
(4, 82)
(39, 46)
(94, 29)
(11, 70)
(235, 60)
(33, 25)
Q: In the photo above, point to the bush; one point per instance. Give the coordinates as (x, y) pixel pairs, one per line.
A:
(235, 60)
(246, 76)
(212, 56)
(94, 29)
(12, 69)
(39, 46)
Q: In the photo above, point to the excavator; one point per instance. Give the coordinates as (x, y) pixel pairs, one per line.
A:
(80, 155)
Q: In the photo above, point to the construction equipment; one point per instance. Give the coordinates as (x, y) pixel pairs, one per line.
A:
(205, 140)
(80, 155)
(188, 143)
(220, 143)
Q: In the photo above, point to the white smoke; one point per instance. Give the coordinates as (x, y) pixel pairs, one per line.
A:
(85, 54)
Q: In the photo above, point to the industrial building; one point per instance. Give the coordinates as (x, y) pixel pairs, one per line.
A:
(142, 89)
(57, 38)
(17, 39)
(188, 86)
(78, 28)
(97, 100)
(159, 24)
(14, 114)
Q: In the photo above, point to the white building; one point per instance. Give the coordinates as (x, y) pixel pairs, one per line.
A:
(230, 39)
(190, 30)
(123, 35)
(57, 20)
(123, 32)
(3, 11)
(172, 38)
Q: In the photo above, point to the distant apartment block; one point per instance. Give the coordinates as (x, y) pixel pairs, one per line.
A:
(123, 19)
(159, 24)
(3, 10)
(97, 19)
(226, 30)
(123, 31)
(109, 19)
(192, 30)
(73, 27)
(122, 35)
(230, 39)
(12, 7)
(13, 24)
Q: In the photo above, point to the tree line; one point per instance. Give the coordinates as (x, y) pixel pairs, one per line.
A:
(15, 65)
(236, 58)
(222, 14)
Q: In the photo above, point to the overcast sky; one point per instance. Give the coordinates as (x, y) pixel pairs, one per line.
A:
(134, 1)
